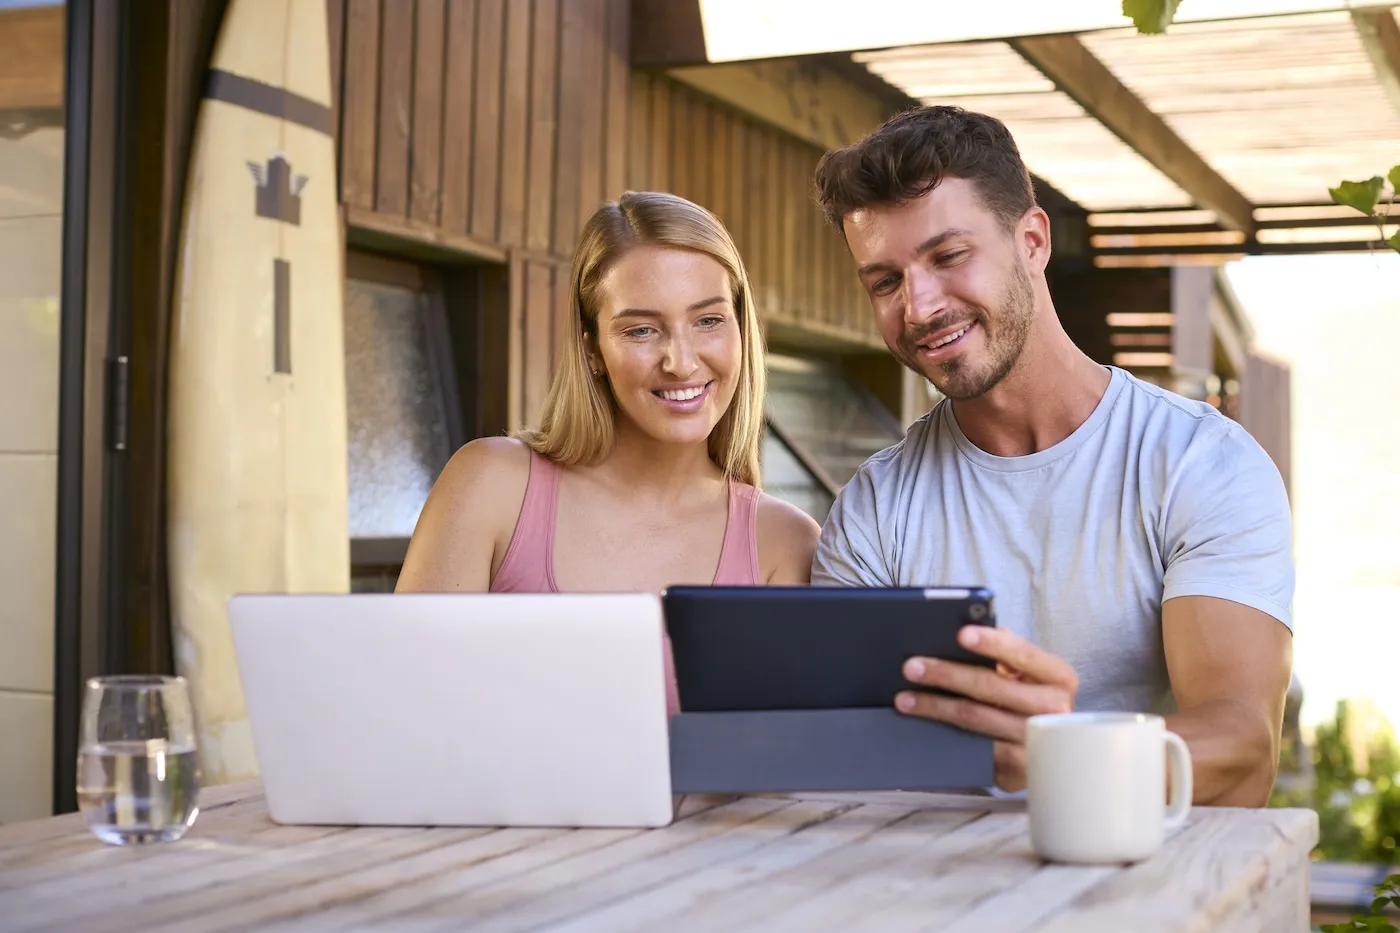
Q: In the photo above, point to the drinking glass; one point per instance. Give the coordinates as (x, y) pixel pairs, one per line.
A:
(138, 778)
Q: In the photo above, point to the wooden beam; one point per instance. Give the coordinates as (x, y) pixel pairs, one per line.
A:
(1381, 39)
(31, 58)
(666, 33)
(1076, 72)
(804, 98)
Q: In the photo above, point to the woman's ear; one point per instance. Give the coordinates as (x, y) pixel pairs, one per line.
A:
(592, 355)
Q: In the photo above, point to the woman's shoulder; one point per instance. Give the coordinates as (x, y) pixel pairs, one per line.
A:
(787, 540)
(487, 471)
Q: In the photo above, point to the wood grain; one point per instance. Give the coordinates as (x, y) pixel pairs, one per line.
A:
(887, 861)
(458, 99)
(486, 121)
(430, 42)
(360, 104)
(396, 51)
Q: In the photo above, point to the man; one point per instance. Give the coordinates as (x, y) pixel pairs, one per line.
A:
(1138, 543)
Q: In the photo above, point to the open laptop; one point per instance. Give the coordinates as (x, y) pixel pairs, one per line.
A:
(457, 709)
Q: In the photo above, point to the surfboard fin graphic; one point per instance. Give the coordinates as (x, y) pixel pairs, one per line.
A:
(278, 191)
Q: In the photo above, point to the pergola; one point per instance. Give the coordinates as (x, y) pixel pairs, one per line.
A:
(1217, 139)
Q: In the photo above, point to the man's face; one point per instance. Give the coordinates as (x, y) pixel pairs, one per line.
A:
(950, 288)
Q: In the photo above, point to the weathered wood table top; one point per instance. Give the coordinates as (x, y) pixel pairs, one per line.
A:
(887, 862)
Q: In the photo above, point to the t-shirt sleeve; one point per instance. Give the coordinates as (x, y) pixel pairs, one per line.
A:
(1229, 531)
(849, 550)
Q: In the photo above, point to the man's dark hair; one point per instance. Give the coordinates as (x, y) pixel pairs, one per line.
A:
(911, 154)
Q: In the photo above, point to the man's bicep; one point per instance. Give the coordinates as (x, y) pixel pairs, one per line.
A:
(1217, 649)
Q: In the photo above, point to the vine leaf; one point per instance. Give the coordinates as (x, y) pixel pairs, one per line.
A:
(1394, 243)
(1151, 17)
(1360, 195)
(1395, 179)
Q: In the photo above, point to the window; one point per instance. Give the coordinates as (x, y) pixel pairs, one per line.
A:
(402, 404)
(821, 427)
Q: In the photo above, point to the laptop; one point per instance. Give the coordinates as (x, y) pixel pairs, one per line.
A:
(457, 709)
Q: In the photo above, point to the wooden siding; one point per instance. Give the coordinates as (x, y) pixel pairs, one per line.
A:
(758, 180)
(493, 128)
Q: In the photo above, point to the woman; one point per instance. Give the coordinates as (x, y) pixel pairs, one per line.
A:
(643, 473)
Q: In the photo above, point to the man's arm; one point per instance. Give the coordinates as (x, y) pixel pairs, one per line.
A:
(848, 553)
(1226, 622)
(1229, 666)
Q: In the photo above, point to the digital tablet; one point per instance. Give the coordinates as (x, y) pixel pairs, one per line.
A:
(803, 647)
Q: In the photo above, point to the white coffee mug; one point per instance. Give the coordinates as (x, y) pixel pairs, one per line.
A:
(1097, 785)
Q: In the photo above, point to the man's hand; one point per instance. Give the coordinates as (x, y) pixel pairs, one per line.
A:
(1027, 681)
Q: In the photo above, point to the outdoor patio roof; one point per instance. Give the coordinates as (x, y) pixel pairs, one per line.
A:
(1218, 138)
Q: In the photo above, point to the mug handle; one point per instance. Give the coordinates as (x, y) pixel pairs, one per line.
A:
(1179, 762)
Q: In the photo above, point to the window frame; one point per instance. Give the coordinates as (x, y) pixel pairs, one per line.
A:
(384, 556)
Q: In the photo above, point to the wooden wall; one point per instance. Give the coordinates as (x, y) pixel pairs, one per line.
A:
(493, 128)
(758, 180)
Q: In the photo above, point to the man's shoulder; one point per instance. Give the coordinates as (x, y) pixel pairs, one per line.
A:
(1201, 450)
(906, 455)
(1186, 426)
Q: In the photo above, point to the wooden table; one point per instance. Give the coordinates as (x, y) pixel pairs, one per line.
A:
(887, 862)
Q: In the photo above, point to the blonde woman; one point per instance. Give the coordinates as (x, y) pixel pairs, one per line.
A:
(644, 471)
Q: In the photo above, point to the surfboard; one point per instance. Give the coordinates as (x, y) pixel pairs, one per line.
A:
(256, 456)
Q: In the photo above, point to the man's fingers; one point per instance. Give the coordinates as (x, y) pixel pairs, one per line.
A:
(966, 714)
(989, 686)
(1015, 652)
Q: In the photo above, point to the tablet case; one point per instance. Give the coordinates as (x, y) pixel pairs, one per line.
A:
(792, 689)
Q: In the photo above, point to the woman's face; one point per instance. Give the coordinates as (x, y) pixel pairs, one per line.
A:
(668, 341)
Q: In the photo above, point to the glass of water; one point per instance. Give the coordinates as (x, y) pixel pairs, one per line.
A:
(138, 778)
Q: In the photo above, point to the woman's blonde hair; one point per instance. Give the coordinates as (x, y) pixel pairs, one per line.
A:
(578, 422)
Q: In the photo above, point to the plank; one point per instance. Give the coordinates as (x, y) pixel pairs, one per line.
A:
(775, 245)
(592, 138)
(540, 335)
(358, 123)
(831, 887)
(395, 108)
(639, 134)
(458, 98)
(1028, 905)
(425, 185)
(539, 194)
(619, 97)
(347, 893)
(26, 865)
(1227, 858)
(335, 23)
(682, 178)
(655, 908)
(790, 240)
(91, 872)
(418, 885)
(573, 92)
(515, 123)
(568, 888)
(659, 174)
(737, 163)
(239, 882)
(486, 120)
(926, 891)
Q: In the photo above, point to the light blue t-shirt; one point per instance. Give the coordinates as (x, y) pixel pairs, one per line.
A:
(1154, 496)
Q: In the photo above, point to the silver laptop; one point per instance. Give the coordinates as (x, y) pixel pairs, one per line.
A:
(457, 710)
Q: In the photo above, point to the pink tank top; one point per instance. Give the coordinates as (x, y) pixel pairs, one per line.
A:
(528, 566)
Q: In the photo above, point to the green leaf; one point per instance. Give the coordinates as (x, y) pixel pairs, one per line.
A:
(1394, 177)
(1394, 243)
(1150, 16)
(1378, 904)
(1359, 195)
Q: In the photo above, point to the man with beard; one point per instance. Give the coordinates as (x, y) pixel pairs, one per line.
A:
(1138, 543)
